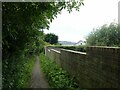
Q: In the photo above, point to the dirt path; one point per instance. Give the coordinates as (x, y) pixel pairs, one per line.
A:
(38, 79)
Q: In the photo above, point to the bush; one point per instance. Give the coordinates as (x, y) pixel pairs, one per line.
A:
(107, 35)
(17, 73)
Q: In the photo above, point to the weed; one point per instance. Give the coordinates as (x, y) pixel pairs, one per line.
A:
(57, 77)
(17, 74)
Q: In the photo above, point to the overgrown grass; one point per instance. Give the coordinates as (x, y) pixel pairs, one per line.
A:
(56, 76)
(16, 74)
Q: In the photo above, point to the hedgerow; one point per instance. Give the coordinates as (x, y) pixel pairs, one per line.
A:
(17, 73)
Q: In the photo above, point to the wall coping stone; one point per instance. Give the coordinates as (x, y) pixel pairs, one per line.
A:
(55, 50)
(103, 47)
(74, 51)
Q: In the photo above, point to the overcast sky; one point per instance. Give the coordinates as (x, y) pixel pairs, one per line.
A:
(77, 25)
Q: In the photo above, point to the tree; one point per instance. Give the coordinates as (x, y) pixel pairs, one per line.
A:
(22, 33)
(107, 35)
(23, 22)
(51, 38)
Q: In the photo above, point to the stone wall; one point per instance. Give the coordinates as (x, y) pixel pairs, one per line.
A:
(103, 66)
(99, 67)
(73, 62)
(53, 54)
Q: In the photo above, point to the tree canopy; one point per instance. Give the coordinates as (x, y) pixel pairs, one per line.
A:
(22, 34)
(107, 35)
(23, 22)
(51, 38)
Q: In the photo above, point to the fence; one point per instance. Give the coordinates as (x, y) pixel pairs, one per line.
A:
(98, 67)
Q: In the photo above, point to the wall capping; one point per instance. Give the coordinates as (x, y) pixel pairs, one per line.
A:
(55, 50)
(103, 47)
(74, 51)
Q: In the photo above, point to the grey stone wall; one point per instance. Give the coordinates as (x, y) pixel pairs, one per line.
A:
(73, 62)
(53, 54)
(99, 67)
(103, 66)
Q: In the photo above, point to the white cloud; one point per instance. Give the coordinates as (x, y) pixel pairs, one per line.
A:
(77, 25)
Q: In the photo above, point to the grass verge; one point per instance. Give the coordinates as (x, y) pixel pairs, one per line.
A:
(18, 73)
(56, 76)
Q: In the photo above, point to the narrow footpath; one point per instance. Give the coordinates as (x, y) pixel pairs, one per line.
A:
(38, 79)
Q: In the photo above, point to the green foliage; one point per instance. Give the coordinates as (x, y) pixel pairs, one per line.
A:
(57, 77)
(81, 48)
(22, 35)
(51, 38)
(23, 23)
(20, 26)
(17, 73)
(105, 36)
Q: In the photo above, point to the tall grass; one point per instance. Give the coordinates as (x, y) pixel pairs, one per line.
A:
(17, 73)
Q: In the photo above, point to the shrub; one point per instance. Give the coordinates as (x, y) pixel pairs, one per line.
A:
(17, 73)
(107, 35)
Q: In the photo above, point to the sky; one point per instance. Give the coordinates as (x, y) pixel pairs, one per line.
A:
(76, 25)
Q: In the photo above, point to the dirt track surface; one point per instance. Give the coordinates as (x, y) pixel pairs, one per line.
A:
(38, 79)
